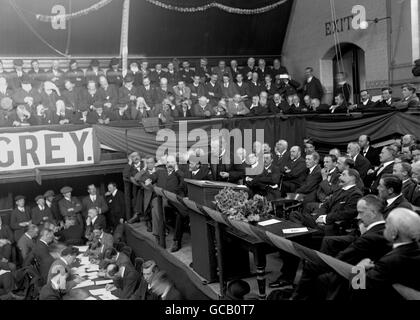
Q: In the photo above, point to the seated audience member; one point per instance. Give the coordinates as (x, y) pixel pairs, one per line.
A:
(93, 200)
(6, 240)
(41, 213)
(26, 95)
(98, 116)
(236, 107)
(181, 92)
(157, 74)
(55, 289)
(307, 103)
(41, 116)
(297, 106)
(186, 73)
(20, 117)
(70, 206)
(319, 107)
(262, 70)
(294, 171)
(147, 91)
(390, 191)
(163, 90)
(197, 89)
(309, 146)
(336, 152)
(415, 200)
(250, 67)
(237, 290)
(361, 164)
(75, 74)
(330, 178)
(228, 87)
(141, 110)
(277, 105)
(400, 265)
(366, 103)
(126, 280)
(99, 241)
(95, 220)
(237, 172)
(71, 95)
(128, 92)
(222, 70)
(144, 292)
(281, 154)
(267, 182)
(15, 76)
(213, 89)
(203, 71)
(111, 255)
(109, 94)
(93, 72)
(242, 87)
(20, 218)
(369, 152)
(387, 160)
(163, 287)
(340, 105)
(5, 90)
(310, 186)
(90, 97)
(387, 101)
(114, 73)
(172, 74)
(285, 85)
(415, 152)
(27, 241)
(66, 260)
(409, 98)
(6, 112)
(41, 254)
(255, 105)
(184, 110)
(278, 68)
(262, 108)
(122, 112)
(403, 171)
(116, 205)
(203, 108)
(370, 244)
(62, 115)
(72, 233)
(340, 207)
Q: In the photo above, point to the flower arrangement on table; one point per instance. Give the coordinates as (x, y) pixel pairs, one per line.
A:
(236, 205)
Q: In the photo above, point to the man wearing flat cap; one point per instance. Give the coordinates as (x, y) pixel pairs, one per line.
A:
(70, 206)
(52, 203)
(76, 74)
(41, 213)
(20, 218)
(114, 74)
(16, 75)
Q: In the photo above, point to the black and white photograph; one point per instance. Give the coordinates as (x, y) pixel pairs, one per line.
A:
(210, 156)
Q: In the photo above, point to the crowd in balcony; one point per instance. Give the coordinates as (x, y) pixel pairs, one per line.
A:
(173, 91)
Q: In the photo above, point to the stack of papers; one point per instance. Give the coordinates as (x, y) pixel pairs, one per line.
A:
(93, 267)
(82, 248)
(108, 296)
(295, 230)
(92, 275)
(84, 261)
(99, 292)
(268, 222)
(85, 283)
(102, 282)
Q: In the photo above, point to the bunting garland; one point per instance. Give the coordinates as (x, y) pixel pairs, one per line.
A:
(218, 6)
(95, 7)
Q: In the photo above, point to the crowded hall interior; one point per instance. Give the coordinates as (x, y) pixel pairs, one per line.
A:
(210, 150)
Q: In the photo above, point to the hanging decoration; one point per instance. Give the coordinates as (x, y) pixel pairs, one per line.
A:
(95, 7)
(218, 6)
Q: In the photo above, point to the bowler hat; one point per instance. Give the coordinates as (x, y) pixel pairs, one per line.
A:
(94, 63)
(114, 62)
(19, 197)
(66, 189)
(128, 78)
(39, 197)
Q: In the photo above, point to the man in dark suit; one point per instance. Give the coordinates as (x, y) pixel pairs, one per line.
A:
(399, 266)
(126, 279)
(367, 151)
(111, 255)
(330, 178)
(389, 190)
(95, 220)
(213, 90)
(20, 218)
(403, 171)
(6, 241)
(266, 183)
(242, 87)
(366, 103)
(27, 241)
(144, 292)
(387, 101)
(351, 249)
(72, 233)
(237, 171)
(171, 180)
(277, 105)
(361, 164)
(312, 86)
(41, 213)
(94, 200)
(52, 203)
(387, 158)
(281, 154)
(220, 160)
(164, 287)
(116, 205)
(340, 207)
(70, 206)
(294, 172)
(40, 254)
(313, 179)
